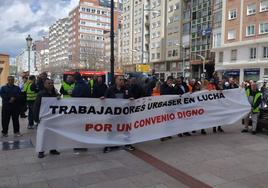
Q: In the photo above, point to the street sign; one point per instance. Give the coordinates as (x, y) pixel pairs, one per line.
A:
(143, 68)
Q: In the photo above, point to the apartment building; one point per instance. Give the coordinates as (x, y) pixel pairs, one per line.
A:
(202, 59)
(41, 54)
(88, 23)
(152, 34)
(242, 51)
(58, 46)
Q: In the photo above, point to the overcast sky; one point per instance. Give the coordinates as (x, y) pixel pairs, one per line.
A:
(19, 18)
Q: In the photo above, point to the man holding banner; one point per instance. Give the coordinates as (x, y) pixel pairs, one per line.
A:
(118, 91)
(48, 91)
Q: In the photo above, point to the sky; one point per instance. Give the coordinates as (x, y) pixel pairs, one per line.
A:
(19, 18)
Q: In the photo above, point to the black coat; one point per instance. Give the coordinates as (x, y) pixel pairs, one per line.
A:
(37, 103)
(136, 91)
(167, 90)
(99, 90)
(112, 92)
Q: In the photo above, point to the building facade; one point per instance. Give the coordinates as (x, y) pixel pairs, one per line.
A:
(242, 51)
(22, 61)
(88, 23)
(152, 34)
(202, 58)
(42, 54)
(58, 46)
(4, 68)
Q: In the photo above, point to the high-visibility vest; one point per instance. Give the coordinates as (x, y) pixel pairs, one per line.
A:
(31, 95)
(248, 92)
(68, 88)
(91, 85)
(256, 97)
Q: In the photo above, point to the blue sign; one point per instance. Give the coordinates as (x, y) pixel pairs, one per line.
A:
(248, 72)
(232, 73)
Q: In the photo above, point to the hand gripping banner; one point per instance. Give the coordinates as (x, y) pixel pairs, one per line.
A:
(81, 122)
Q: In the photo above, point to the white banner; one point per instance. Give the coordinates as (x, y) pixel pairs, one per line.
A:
(81, 122)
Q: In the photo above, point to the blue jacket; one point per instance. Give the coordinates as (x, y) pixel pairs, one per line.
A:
(10, 91)
(81, 89)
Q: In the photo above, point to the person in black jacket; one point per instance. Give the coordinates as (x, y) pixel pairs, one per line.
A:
(81, 88)
(118, 91)
(135, 90)
(99, 88)
(48, 91)
(40, 81)
(167, 89)
(10, 94)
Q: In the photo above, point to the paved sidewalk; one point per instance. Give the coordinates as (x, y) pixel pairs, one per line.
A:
(223, 160)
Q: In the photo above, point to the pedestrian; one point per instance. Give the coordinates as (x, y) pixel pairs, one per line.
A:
(99, 88)
(264, 91)
(167, 88)
(40, 81)
(134, 89)
(181, 88)
(118, 91)
(81, 88)
(196, 88)
(191, 85)
(255, 101)
(147, 87)
(232, 84)
(47, 91)
(156, 89)
(24, 97)
(31, 92)
(67, 86)
(10, 94)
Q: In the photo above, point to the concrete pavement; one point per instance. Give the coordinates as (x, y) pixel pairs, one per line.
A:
(227, 160)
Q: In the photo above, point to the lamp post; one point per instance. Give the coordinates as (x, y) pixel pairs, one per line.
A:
(204, 60)
(183, 58)
(29, 41)
(112, 42)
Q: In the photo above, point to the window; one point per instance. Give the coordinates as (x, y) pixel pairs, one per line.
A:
(169, 53)
(264, 6)
(265, 52)
(217, 40)
(177, 5)
(250, 30)
(253, 53)
(233, 55)
(220, 57)
(251, 9)
(170, 9)
(231, 34)
(158, 55)
(153, 55)
(263, 28)
(232, 14)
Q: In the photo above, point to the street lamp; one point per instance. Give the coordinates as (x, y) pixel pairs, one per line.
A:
(183, 58)
(112, 42)
(204, 60)
(29, 41)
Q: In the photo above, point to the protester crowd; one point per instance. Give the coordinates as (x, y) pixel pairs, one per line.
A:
(16, 100)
